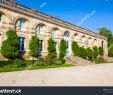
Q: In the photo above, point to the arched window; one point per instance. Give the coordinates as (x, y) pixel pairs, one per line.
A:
(22, 24)
(66, 34)
(40, 28)
(90, 41)
(83, 39)
(54, 32)
(1, 18)
(76, 37)
(95, 41)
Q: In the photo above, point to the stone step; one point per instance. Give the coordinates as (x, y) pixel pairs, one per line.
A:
(77, 61)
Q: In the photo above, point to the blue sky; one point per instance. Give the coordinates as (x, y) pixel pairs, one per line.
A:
(89, 14)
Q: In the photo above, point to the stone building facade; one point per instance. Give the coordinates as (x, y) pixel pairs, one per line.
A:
(28, 22)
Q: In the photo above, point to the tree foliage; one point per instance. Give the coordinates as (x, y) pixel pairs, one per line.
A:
(9, 48)
(101, 51)
(107, 33)
(83, 52)
(33, 46)
(75, 49)
(96, 51)
(51, 48)
(63, 48)
(90, 53)
(110, 51)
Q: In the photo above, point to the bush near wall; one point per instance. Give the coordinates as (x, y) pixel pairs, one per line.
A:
(33, 46)
(75, 48)
(63, 48)
(95, 51)
(9, 48)
(83, 52)
(101, 51)
(90, 53)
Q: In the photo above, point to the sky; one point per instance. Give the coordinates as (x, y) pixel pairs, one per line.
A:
(89, 14)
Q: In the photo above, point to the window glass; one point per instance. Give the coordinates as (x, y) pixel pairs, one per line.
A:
(54, 33)
(22, 24)
(40, 29)
(40, 45)
(0, 18)
(21, 43)
(66, 34)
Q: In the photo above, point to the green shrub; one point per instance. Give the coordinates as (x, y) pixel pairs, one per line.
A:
(90, 53)
(9, 48)
(5, 63)
(51, 48)
(58, 62)
(63, 48)
(96, 51)
(83, 52)
(101, 51)
(33, 46)
(75, 49)
(110, 51)
(19, 63)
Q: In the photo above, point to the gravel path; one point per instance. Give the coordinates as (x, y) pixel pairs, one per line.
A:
(92, 75)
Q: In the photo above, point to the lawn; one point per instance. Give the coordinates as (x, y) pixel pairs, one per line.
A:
(32, 67)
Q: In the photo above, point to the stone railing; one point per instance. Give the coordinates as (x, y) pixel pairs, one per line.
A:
(49, 18)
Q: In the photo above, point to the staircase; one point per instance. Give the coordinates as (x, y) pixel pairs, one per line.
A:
(78, 61)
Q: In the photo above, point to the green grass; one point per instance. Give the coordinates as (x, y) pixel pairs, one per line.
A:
(10, 69)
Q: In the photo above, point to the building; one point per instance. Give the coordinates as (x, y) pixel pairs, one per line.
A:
(28, 22)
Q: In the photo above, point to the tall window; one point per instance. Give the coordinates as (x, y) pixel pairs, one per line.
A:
(40, 29)
(40, 45)
(22, 24)
(54, 33)
(21, 43)
(0, 18)
(83, 39)
(76, 37)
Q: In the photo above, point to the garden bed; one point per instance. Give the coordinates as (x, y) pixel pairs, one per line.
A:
(19, 65)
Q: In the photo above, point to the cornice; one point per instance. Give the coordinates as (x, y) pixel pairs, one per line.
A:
(13, 6)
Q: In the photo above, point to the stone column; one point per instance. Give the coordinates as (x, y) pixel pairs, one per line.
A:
(105, 48)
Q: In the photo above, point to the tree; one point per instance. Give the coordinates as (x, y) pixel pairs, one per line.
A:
(90, 53)
(111, 51)
(51, 48)
(96, 51)
(63, 48)
(75, 48)
(107, 33)
(83, 53)
(9, 48)
(101, 51)
(33, 46)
